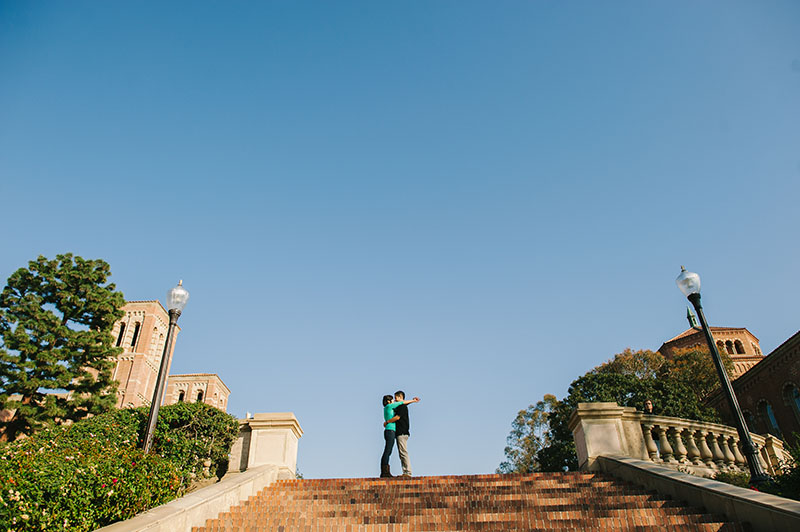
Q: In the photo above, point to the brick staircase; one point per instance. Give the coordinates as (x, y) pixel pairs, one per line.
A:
(541, 501)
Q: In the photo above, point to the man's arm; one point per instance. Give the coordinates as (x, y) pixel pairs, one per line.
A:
(406, 402)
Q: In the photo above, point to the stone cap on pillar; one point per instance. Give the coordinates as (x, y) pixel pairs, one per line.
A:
(601, 411)
(273, 420)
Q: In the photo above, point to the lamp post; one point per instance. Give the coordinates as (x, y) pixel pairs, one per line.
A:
(176, 300)
(689, 284)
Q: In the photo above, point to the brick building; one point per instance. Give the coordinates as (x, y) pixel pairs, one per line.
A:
(197, 387)
(769, 393)
(739, 343)
(141, 334)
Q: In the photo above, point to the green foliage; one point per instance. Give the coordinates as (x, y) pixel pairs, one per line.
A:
(189, 433)
(628, 379)
(93, 473)
(737, 479)
(81, 477)
(528, 436)
(55, 323)
(694, 368)
(643, 364)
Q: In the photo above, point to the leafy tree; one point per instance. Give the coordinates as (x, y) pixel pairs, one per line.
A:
(695, 368)
(55, 325)
(643, 363)
(528, 436)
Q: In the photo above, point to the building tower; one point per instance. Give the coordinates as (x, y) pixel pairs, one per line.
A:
(739, 343)
(141, 334)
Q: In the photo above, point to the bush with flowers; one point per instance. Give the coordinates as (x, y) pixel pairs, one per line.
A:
(93, 473)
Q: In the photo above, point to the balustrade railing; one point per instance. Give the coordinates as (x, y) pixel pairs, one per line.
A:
(696, 444)
(692, 446)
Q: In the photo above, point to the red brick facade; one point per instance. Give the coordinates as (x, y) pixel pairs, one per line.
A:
(740, 344)
(769, 393)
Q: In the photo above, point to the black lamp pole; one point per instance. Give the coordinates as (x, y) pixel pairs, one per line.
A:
(176, 300)
(757, 474)
(155, 404)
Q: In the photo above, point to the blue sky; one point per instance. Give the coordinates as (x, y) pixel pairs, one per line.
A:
(475, 202)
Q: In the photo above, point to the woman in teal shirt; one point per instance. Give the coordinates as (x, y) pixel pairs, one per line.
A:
(389, 404)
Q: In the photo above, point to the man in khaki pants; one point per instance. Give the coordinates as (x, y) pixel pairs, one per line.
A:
(400, 420)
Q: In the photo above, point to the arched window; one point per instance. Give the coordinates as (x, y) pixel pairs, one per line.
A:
(768, 416)
(154, 342)
(121, 334)
(181, 396)
(200, 396)
(739, 347)
(135, 334)
(729, 347)
(791, 395)
(756, 350)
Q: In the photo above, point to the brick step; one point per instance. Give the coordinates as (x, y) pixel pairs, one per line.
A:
(467, 523)
(611, 503)
(546, 501)
(600, 499)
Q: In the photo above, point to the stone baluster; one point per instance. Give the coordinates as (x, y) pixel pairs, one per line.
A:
(680, 448)
(774, 450)
(761, 451)
(650, 445)
(663, 443)
(726, 452)
(693, 453)
(741, 462)
(705, 452)
(719, 457)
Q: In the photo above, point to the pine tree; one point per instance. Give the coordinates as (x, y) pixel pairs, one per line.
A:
(57, 352)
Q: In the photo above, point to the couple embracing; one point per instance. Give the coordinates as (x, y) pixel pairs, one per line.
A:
(395, 428)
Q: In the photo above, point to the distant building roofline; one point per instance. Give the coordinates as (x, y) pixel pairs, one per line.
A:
(149, 301)
(195, 375)
(698, 330)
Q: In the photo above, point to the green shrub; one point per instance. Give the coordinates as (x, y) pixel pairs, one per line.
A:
(93, 473)
(737, 479)
(189, 433)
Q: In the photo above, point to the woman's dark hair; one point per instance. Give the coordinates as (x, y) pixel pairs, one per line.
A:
(388, 399)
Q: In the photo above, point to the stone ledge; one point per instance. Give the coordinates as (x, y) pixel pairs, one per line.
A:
(206, 503)
(764, 512)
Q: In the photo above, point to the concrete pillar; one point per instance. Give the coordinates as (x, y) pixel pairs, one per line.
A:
(267, 439)
(606, 429)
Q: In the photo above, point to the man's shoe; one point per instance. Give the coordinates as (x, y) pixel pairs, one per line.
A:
(385, 473)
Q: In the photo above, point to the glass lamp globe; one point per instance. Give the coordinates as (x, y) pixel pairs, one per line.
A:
(688, 282)
(177, 297)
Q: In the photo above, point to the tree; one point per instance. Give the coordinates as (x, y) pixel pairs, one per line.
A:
(695, 368)
(528, 436)
(642, 363)
(55, 325)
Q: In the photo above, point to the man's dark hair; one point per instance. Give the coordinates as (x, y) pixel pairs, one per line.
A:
(401, 393)
(388, 399)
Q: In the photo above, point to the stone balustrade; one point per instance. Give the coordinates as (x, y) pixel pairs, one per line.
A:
(692, 446)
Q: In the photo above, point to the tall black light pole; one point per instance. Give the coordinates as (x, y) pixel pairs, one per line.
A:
(176, 300)
(689, 283)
